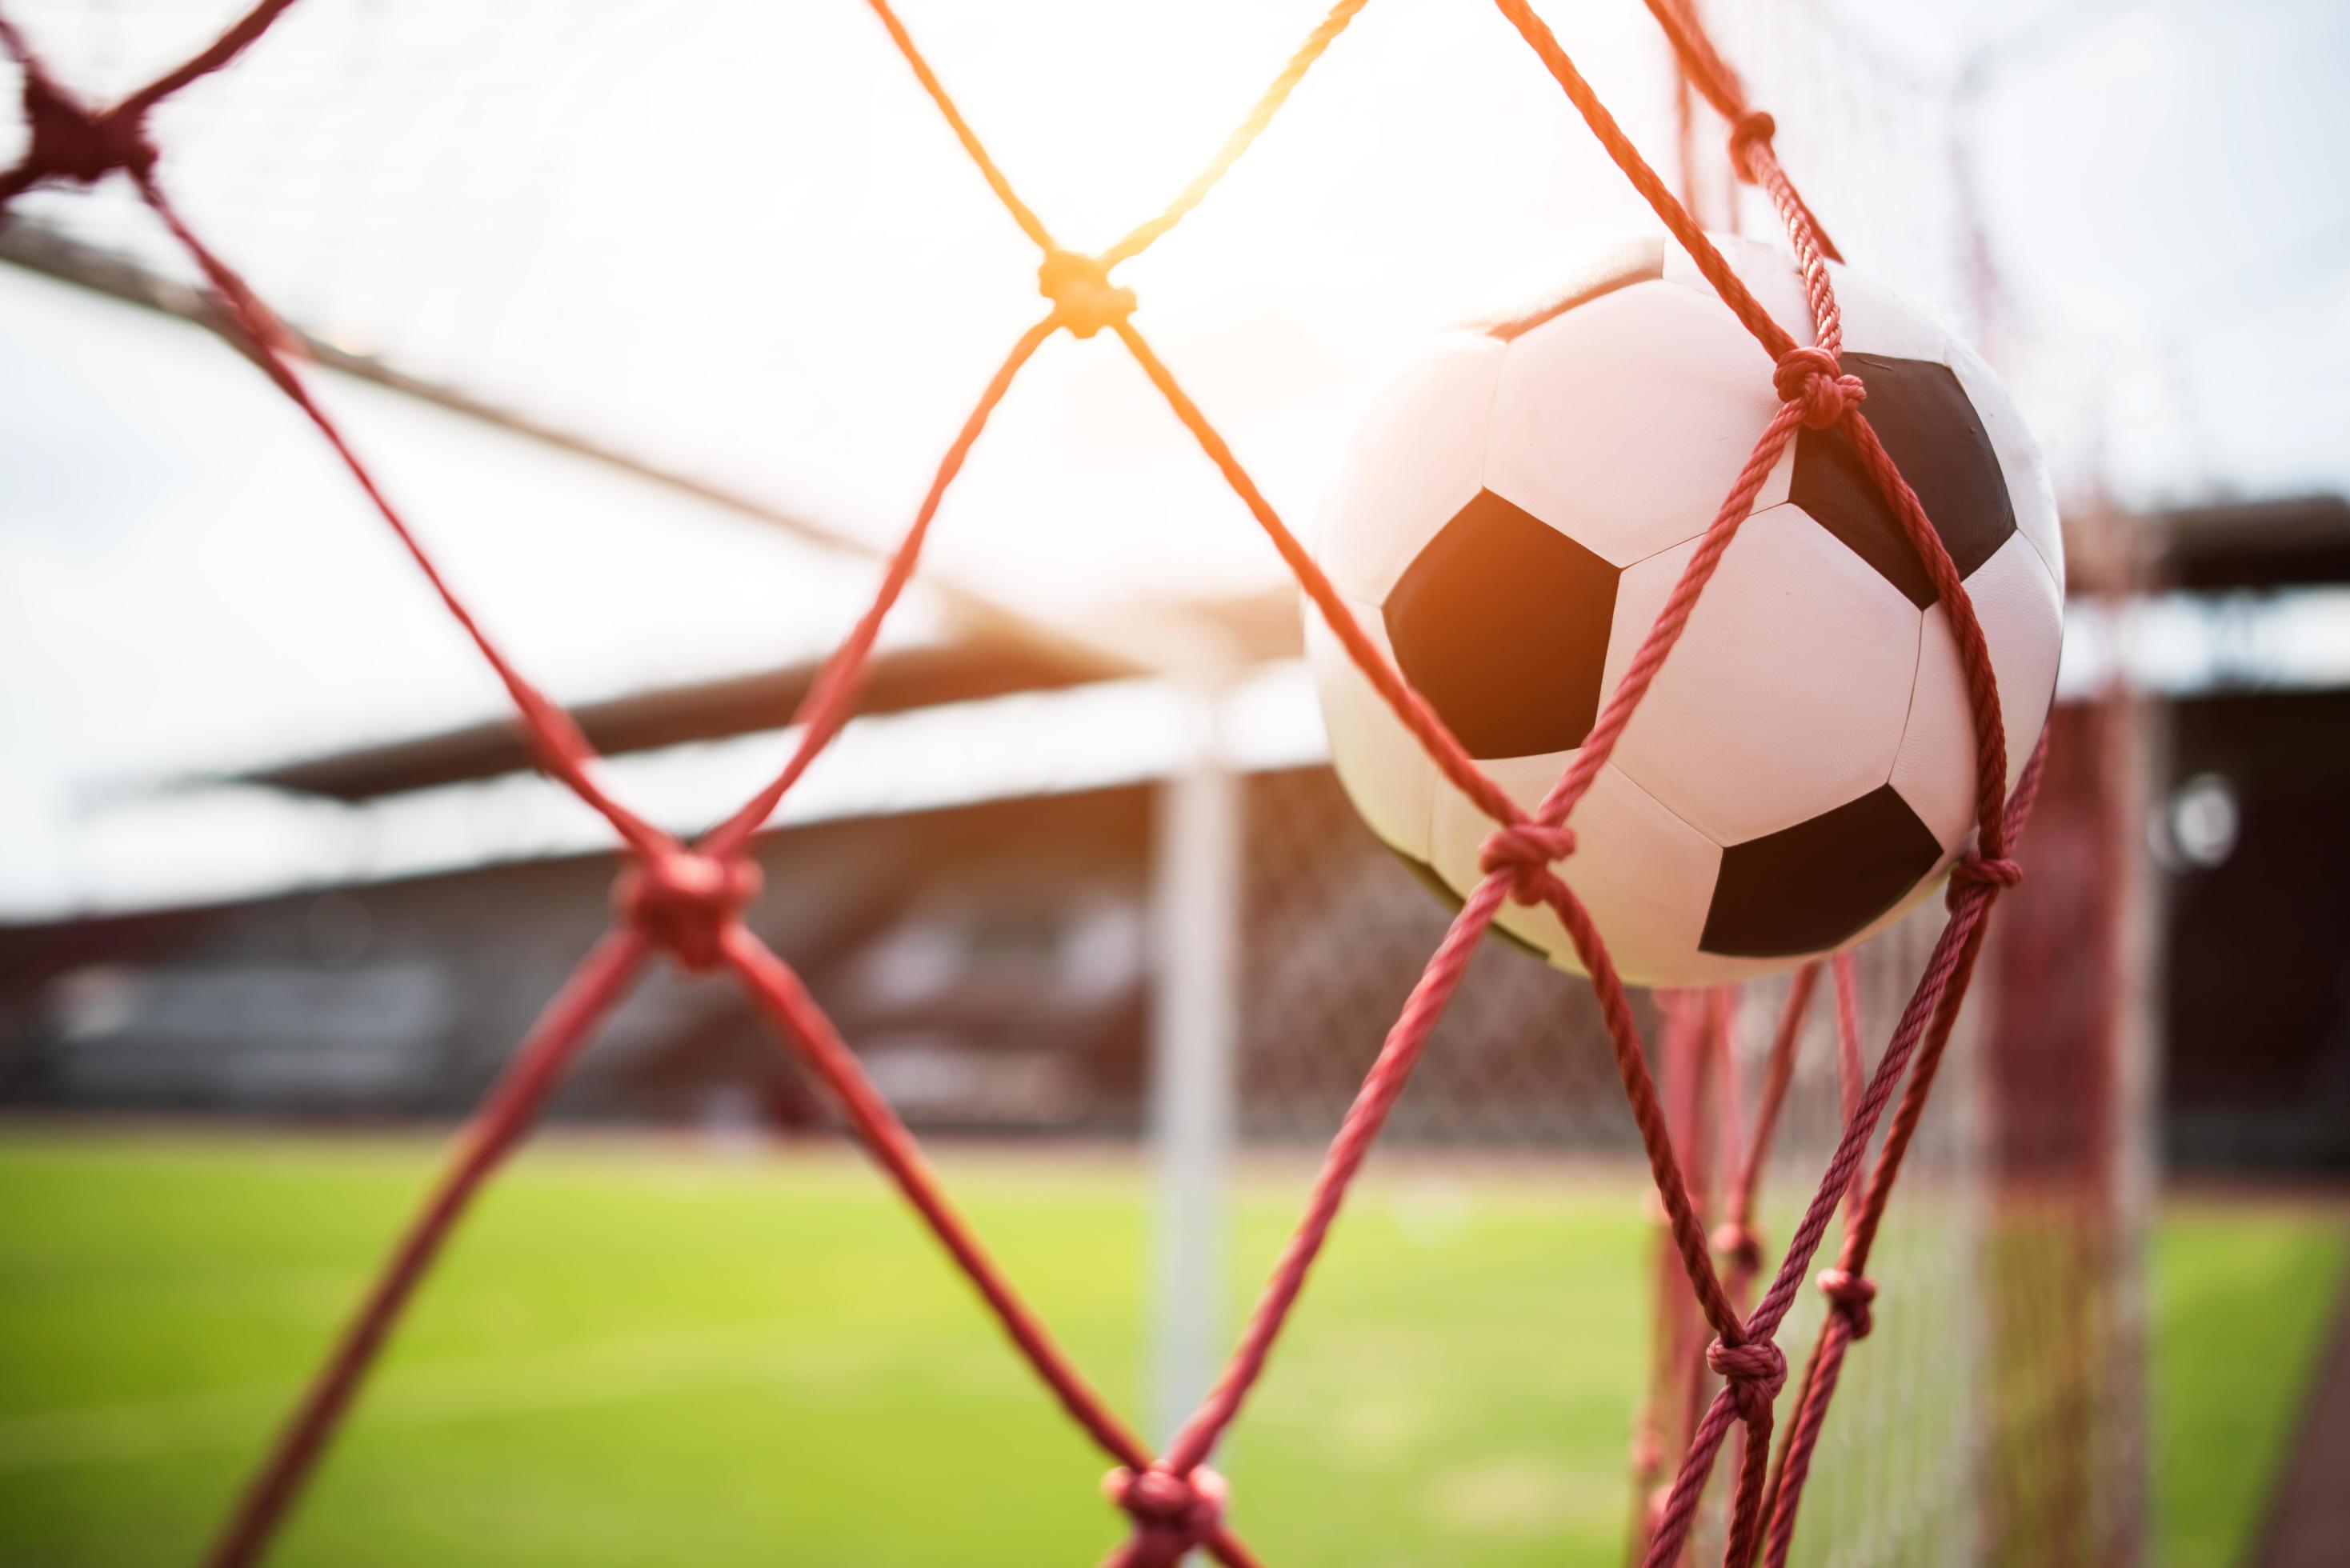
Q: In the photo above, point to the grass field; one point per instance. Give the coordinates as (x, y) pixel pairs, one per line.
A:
(640, 1355)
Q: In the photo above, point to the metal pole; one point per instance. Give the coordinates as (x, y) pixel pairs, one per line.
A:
(1195, 930)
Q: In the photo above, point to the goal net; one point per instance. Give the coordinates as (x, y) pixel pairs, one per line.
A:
(1994, 1415)
(440, 195)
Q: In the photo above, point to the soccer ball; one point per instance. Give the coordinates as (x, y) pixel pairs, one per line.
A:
(1801, 773)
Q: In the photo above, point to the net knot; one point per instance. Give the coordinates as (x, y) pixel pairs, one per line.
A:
(1755, 1372)
(683, 901)
(1083, 299)
(70, 140)
(1850, 1294)
(1738, 1245)
(1812, 380)
(1983, 872)
(1524, 852)
(1749, 133)
(1172, 1513)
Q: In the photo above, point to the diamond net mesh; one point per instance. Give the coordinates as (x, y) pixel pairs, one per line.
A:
(1705, 1124)
(1995, 1415)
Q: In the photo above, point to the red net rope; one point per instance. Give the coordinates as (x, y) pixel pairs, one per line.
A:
(685, 899)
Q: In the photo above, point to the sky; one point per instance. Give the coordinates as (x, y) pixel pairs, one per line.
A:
(735, 239)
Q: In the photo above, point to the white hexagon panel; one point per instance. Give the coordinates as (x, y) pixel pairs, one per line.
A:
(1794, 635)
(1642, 368)
(1802, 769)
(1421, 455)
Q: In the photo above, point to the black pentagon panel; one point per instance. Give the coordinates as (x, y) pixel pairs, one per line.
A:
(1425, 875)
(1501, 622)
(1935, 438)
(1812, 886)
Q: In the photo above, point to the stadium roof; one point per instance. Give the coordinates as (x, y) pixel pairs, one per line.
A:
(2267, 543)
(192, 594)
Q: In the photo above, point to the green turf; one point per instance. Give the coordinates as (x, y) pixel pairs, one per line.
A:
(638, 1358)
(2242, 1298)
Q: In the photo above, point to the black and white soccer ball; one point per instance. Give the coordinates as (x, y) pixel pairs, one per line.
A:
(1801, 773)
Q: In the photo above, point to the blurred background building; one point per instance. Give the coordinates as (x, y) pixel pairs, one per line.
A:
(991, 956)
